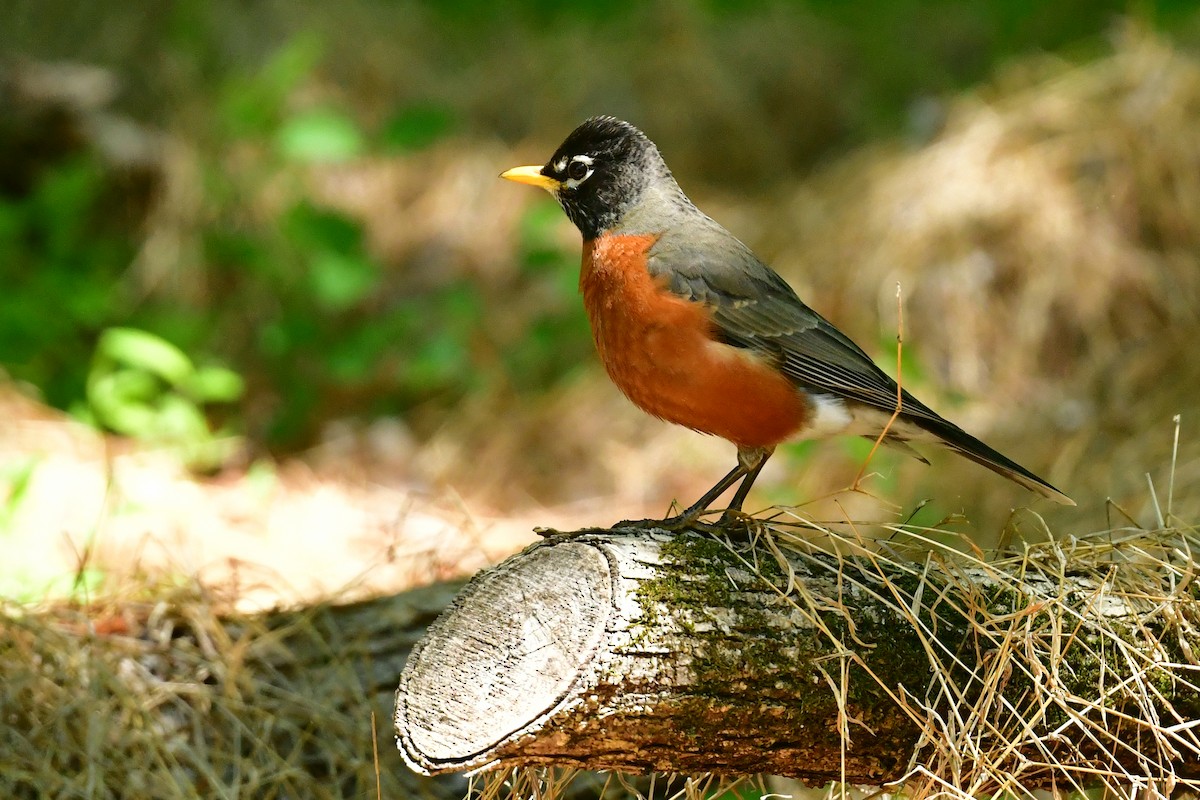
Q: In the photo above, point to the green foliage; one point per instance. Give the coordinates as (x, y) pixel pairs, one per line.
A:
(319, 136)
(339, 273)
(555, 339)
(301, 305)
(60, 265)
(143, 386)
(322, 322)
(254, 104)
(15, 480)
(438, 330)
(416, 127)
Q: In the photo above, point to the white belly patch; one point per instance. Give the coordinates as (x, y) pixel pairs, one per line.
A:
(830, 417)
(833, 416)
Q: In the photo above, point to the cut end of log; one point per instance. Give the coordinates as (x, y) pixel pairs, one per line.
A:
(506, 653)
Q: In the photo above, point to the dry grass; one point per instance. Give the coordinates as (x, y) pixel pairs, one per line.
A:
(1077, 671)
(552, 784)
(168, 697)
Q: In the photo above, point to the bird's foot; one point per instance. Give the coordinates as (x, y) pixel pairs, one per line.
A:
(676, 524)
(553, 533)
(733, 523)
(737, 524)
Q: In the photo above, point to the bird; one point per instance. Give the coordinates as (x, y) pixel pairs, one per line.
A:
(695, 329)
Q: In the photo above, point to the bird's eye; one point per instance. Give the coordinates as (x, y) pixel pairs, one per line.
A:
(577, 170)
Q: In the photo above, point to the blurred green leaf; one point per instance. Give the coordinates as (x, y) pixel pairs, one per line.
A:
(253, 104)
(247, 109)
(226, 248)
(209, 453)
(549, 348)
(348, 364)
(215, 385)
(539, 225)
(13, 220)
(179, 419)
(273, 339)
(459, 305)
(60, 208)
(293, 62)
(442, 361)
(310, 228)
(128, 386)
(354, 357)
(18, 478)
(145, 387)
(116, 409)
(144, 350)
(339, 281)
(417, 127)
(321, 136)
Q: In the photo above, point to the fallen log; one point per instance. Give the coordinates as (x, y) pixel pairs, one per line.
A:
(647, 651)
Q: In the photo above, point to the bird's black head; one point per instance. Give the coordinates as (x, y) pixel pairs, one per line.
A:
(598, 173)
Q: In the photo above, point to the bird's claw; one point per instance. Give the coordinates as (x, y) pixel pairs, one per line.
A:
(676, 524)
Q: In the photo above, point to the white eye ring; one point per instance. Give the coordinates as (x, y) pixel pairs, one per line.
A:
(587, 162)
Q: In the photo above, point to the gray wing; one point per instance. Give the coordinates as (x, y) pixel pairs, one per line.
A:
(752, 307)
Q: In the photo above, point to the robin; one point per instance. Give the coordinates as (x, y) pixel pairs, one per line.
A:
(696, 330)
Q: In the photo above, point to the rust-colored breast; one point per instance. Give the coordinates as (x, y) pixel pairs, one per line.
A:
(659, 350)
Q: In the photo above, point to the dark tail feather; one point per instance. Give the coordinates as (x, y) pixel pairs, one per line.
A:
(968, 446)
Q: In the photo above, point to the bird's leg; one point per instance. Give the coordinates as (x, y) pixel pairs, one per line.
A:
(693, 512)
(752, 461)
(689, 516)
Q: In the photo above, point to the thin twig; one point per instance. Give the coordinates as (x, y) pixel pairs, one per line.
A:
(375, 755)
(1174, 459)
(899, 388)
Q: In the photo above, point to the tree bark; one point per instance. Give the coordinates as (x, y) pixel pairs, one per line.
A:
(641, 651)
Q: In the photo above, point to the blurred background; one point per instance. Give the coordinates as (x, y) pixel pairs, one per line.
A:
(268, 314)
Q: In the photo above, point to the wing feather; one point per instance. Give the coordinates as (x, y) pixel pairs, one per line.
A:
(752, 307)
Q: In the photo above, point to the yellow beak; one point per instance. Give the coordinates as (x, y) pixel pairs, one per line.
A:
(532, 176)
